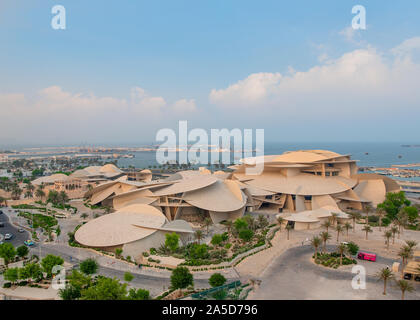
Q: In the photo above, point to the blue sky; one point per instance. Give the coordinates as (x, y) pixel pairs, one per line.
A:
(177, 52)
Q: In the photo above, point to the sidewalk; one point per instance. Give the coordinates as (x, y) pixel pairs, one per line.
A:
(28, 293)
(80, 254)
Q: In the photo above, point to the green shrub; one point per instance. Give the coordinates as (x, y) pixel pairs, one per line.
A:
(199, 251)
(217, 239)
(172, 241)
(220, 294)
(386, 221)
(128, 276)
(181, 278)
(217, 280)
(246, 234)
(353, 248)
(89, 266)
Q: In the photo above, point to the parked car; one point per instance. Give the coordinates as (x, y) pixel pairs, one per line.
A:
(8, 236)
(28, 243)
(1, 225)
(408, 276)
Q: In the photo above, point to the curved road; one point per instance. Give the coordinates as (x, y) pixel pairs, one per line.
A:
(294, 276)
(18, 238)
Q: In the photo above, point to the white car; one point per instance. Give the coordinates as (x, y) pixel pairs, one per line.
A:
(8, 236)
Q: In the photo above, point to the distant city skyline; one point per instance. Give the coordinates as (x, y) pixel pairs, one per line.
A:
(121, 71)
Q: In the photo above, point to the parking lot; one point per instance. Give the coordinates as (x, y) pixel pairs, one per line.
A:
(294, 276)
(18, 237)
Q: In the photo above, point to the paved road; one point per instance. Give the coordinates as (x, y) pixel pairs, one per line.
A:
(155, 284)
(18, 238)
(294, 276)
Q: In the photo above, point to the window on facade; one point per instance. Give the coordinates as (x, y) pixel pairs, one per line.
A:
(327, 174)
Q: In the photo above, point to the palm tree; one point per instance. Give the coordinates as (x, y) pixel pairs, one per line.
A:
(397, 224)
(325, 236)
(385, 274)
(354, 215)
(402, 219)
(30, 187)
(387, 235)
(28, 194)
(229, 225)
(380, 213)
(316, 242)
(207, 223)
(394, 230)
(367, 229)
(411, 244)
(198, 234)
(347, 226)
(40, 193)
(404, 286)
(334, 218)
(280, 221)
(288, 228)
(405, 253)
(326, 224)
(339, 228)
(16, 192)
(367, 209)
(262, 221)
(62, 197)
(251, 221)
(342, 248)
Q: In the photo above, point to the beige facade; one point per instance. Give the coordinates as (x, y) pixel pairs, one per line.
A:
(304, 187)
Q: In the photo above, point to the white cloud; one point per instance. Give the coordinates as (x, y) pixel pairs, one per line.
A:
(54, 113)
(184, 105)
(407, 47)
(254, 89)
(352, 36)
(362, 80)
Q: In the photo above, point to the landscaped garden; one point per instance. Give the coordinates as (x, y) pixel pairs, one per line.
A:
(333, 259)
(47, 224)
(242, 235)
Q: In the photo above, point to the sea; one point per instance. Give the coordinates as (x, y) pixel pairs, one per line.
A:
(367, 154)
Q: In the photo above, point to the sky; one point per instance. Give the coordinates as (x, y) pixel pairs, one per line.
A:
(122, 70)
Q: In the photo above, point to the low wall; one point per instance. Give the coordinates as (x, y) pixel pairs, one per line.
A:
(10, 203)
